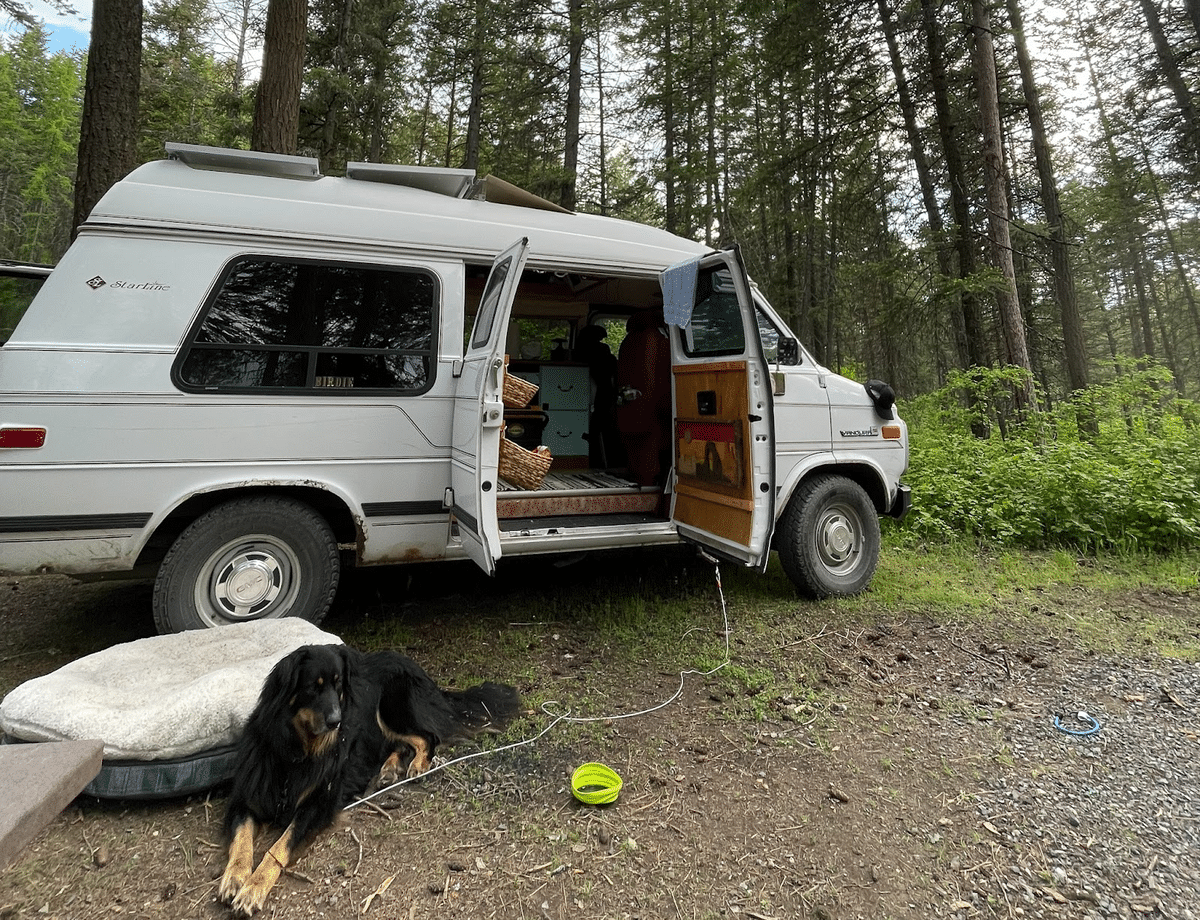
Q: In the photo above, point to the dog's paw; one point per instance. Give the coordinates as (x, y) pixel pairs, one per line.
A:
(419, 765)
(388, 776)
(232, 882)
(250, 900)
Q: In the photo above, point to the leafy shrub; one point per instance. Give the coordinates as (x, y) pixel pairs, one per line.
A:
(1043, 480)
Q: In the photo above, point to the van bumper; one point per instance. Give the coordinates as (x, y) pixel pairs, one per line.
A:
(903, 503)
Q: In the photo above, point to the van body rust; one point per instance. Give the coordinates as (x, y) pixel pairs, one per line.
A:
(242, 368)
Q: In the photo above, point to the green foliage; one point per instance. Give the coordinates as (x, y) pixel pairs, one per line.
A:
(40, 104)
(185, 91)
(1136, 486)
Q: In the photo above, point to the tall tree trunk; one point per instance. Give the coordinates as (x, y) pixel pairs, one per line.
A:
(109, 129)
(236, 24)
(908, 109)
(670, 167)
(711, 168)
(574, 94)
(1168, 340)
(933, 214)
(376, 96)
(1060, 259)
(601, 125)
(1173, 247)
(1141, 333)
(277, 106)
(1142, 314)
(330, 142)
(475, 103)
(973, 351)
(995, 178)
(1179, 88)
(451, 111)
(1193, 11)
(426, 118)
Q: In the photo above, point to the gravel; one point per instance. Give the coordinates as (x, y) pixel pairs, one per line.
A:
(1104, 825)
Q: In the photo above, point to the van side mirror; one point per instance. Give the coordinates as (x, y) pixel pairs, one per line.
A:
(788, 350)
(883, 396)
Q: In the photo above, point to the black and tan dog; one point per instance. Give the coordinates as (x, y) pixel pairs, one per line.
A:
(329, 722)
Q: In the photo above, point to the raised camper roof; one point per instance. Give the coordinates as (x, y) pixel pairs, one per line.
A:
(405, 208)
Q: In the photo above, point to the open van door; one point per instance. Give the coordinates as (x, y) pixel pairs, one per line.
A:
(479, 413)
(724, 451)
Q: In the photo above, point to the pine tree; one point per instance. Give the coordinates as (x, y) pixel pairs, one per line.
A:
(277, 104)
(109, 130)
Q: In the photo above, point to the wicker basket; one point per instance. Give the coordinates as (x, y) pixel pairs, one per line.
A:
(517, 391)
(521, 467)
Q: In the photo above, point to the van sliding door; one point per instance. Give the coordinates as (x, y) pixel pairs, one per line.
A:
(479, 413)
(724, 447)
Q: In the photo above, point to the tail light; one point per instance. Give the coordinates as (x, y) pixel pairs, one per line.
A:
(22, 437)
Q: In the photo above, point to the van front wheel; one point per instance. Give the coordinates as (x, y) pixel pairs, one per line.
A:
(829, 537)
(250, 559)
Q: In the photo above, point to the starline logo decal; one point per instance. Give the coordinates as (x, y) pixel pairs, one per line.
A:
(860, 433)
(96, 283)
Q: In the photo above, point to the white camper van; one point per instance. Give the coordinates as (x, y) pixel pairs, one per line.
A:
(243, 372)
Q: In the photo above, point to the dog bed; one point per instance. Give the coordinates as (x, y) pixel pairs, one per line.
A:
(169, 709)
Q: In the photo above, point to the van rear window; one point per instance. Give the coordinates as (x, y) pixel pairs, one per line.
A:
(297, 325)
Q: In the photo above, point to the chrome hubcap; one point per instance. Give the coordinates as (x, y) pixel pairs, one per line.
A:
(838, 539)
(247, 584)
(249, 578)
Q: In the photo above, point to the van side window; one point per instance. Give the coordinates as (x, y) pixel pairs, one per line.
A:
(770, 337)
(16, 294)
(290, 324)
(489, 303)
(716, 326)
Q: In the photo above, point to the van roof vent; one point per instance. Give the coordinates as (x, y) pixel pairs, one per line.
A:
(244, 161)
(456, 183)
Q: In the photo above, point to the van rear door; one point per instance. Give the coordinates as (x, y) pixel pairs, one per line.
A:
(479, 413)
(724, 421)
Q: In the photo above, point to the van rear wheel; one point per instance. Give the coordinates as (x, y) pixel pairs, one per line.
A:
(249, 559)
(829, 537)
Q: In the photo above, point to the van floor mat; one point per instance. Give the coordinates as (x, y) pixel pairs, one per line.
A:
(516, 525)
(577, 481)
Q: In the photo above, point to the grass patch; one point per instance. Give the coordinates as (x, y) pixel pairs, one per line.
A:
(615, 618)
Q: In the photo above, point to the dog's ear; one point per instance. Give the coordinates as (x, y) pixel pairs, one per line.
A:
(272, 716)
(283, 681)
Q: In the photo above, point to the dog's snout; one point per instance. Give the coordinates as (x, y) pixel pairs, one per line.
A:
(333, 718)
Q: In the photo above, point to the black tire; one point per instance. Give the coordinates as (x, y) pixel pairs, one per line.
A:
(277, 552)
(829, 537)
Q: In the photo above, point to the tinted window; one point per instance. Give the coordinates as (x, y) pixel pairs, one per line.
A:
(489, 303)
(716, 326)
(16, 294)
(287, 324)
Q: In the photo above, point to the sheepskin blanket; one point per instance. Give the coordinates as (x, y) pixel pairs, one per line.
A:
(160, 698)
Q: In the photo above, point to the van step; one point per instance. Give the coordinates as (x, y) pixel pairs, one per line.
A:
(570, 494)
(564, 522)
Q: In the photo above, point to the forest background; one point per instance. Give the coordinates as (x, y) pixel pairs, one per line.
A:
(1009, 236)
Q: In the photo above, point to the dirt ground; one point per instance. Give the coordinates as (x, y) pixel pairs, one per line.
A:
(830, 770)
